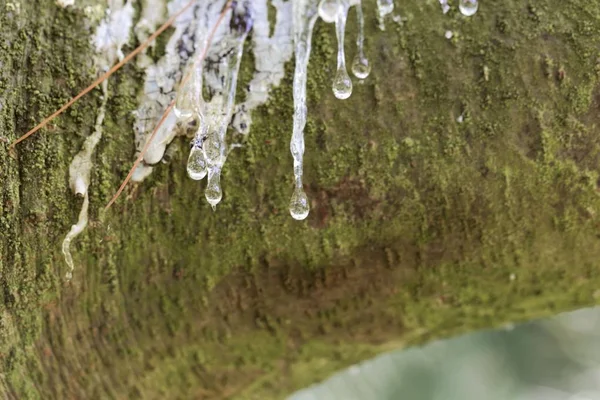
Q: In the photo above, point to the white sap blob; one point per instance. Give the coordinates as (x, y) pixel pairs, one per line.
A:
(65, 3)
(329, 10)
(165, 134)
(468, 7)
(445, 6)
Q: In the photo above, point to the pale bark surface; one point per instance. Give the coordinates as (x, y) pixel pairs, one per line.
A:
(420, 227)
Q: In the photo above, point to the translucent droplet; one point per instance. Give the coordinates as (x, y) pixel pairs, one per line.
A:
(213, 192)
(328, 10)
(196, 165)
(361, 67)
(342, 84)
(299, 207)
(468, 7)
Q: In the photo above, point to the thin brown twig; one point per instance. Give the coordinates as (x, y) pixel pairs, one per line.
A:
(106, 75)
(169, 108)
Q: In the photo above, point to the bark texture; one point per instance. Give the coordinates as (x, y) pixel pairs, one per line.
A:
(420, 226)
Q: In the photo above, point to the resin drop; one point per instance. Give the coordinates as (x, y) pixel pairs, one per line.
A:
(196, 164)
(213, 192)
(468, 7)
(342, 84)
(328, 10)
(299, 208)
(361, 67)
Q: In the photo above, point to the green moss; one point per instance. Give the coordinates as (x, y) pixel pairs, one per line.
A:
(420, 226)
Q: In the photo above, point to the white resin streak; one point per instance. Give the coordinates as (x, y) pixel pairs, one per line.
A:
(79, 180)
(305, 16)
(111, 35)
(270, 55)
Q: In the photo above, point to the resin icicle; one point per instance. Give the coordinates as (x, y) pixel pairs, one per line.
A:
(445, 6)
(221, 106)
(342, 84)
(360, 66)
(305, 15)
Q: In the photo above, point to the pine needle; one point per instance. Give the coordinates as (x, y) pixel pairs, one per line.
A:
(106, 75)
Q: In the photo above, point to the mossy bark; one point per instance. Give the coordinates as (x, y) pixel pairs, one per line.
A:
(421, 226)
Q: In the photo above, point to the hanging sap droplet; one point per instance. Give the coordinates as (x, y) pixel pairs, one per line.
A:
(328, 10)
(468, 7)
(342, 84)
(213, 192)
(361, 67)
(299, 204)
(196, 165)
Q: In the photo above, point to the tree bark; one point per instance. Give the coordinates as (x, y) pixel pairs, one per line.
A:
(456, 189)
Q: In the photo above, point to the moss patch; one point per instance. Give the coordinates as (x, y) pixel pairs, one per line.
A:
(420, 226)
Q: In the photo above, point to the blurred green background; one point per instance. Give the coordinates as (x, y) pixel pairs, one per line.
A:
(552, 359)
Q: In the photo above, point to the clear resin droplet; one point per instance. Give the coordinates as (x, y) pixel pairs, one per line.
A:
(328, 10)
(361, 67)
(468, 7)
(213, 192)
(299, 204)
(342, 85)
(196, 164)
